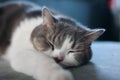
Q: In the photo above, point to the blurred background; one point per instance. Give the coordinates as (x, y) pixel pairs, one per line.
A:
(91, 13)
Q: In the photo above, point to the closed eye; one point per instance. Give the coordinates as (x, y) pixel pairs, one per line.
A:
(72, 51)
(51, 45)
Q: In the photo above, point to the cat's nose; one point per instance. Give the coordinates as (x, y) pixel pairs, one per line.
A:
(58, 59)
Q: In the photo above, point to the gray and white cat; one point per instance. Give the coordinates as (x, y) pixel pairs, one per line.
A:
(37, 41)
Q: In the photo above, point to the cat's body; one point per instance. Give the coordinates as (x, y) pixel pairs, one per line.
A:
(16, 45)
(30, 37)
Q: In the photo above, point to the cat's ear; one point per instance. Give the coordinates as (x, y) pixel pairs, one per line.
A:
(47, 17)
(92, 35)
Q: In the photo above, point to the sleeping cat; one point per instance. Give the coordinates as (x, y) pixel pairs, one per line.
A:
(36, 41)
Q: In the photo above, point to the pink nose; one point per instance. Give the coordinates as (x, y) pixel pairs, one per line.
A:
(58, 59)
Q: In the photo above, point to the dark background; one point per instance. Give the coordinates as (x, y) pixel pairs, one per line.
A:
(92, 13)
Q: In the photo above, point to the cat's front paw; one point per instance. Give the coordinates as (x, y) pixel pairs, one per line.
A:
(62, 75)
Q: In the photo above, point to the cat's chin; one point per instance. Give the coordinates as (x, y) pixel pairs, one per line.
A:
(63, 65)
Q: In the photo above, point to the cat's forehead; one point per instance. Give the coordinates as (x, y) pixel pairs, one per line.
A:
(71, 25)
(67, 45)
(65, 33)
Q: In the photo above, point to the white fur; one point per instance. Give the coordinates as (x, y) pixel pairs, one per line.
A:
(65, 47)
(24, 58)
(21, 36)
(69, 59)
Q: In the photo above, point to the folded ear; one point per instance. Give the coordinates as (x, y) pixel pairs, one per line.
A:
(92, 35)
(47, 17)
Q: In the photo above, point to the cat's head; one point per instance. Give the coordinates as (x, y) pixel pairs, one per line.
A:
(63, 39)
